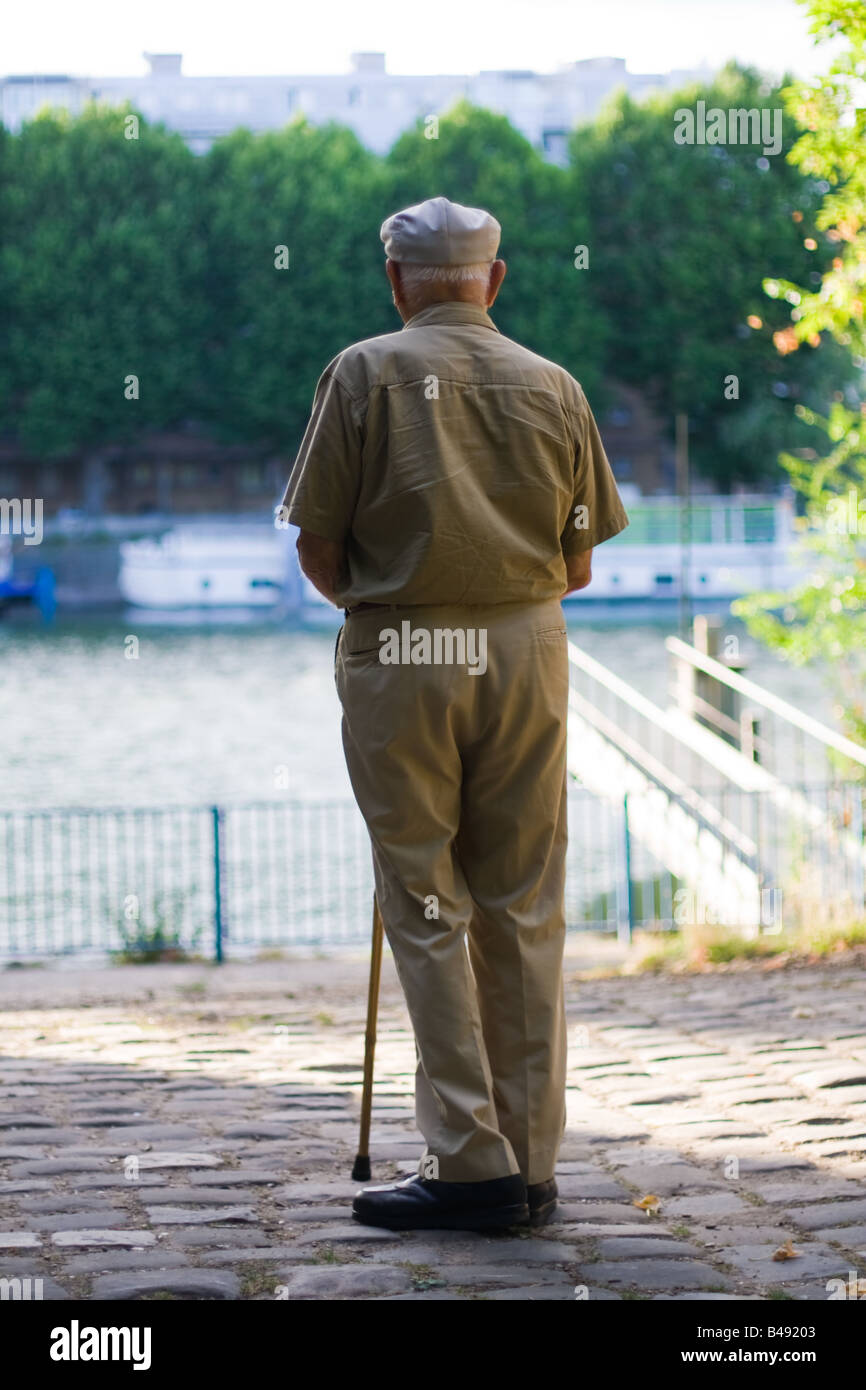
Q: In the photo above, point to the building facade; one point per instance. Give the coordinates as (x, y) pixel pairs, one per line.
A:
(376, 104)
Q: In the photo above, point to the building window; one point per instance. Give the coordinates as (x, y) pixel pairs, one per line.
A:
(292, 98)
(555, 143)
(142, 474)
(354, 96)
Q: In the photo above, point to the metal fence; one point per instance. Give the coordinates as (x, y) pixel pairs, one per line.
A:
(232, 881)
(223, 881)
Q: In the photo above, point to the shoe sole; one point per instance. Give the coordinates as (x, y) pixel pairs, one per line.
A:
(539, 1216)
(502, 1219)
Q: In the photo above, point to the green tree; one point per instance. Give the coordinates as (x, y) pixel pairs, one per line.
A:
(681, 237)
(276, 318)
(479, 159)
(832, 151)
(6, 284)
(824, 617)
(100, 249)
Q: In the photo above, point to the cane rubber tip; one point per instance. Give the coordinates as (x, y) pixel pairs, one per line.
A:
(361, 1170)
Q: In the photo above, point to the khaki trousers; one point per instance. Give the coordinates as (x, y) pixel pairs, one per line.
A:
(461, 779)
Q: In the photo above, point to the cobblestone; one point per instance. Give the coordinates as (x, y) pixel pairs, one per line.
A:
(190, 1216)
(68, 1239)
(348, 1281)
(638, 1247)
(756, 1261)
(227, 1237)
(659, 1274)
(189, 1283)
(828, 1214)
(121, 1179)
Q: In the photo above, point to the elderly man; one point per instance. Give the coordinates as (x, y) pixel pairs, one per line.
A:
(450, 488)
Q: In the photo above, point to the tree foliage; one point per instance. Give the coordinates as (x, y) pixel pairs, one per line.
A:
(832, 151)
(124, 257)
(103, 266)
(272, 327)
(479, 159)
(824, 618)
(682, 236)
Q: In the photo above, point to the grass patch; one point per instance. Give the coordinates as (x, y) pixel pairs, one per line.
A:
(194, 990)
(255, 1280)
(415, 1271)
(152, 932)
(327, 1255)
(825, 941)
(753, 1198)
(659, 951)
(697, 948)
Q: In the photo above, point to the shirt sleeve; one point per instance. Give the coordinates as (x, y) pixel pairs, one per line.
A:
(322, 491)
(597, 512)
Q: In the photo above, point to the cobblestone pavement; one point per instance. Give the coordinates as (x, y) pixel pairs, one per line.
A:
(189, 1132)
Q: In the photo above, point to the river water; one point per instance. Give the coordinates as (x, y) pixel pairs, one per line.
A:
(227, 712)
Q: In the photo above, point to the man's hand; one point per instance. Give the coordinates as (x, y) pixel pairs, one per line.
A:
(578, 569)
(322, 561)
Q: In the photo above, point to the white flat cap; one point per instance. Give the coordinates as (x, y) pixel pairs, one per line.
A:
(439, 232)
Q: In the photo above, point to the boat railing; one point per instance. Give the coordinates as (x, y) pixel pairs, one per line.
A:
(744, 519)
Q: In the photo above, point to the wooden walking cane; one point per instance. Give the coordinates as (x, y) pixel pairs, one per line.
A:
(361, 1168)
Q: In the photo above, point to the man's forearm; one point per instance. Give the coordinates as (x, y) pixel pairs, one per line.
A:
(323, 562)
(578, 571)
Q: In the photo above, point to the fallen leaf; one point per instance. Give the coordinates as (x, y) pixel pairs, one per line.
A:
(650, 1204)
(787, 1252)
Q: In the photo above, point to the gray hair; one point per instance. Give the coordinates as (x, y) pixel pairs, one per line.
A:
(412, 276)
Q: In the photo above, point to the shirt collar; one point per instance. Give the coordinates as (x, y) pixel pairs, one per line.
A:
(451, 311)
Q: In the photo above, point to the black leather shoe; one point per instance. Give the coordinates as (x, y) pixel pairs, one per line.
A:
(541, 1198)
(426, 1204)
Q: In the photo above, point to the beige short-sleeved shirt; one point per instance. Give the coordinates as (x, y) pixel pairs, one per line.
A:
(455, 465)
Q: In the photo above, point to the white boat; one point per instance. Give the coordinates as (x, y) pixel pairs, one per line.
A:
(217, 565)
(210, 566)
(735, 544)
(725, 547)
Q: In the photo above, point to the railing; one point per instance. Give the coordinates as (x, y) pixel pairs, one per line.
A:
(230, 881)
(797, 747)
(752, 519)
(715, 819)
(668, 825)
